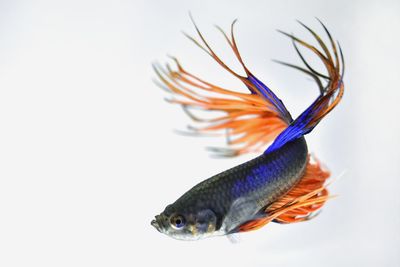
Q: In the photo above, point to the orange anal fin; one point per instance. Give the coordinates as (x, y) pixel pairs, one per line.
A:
(300, 204)
(254, 224)
(302, 201)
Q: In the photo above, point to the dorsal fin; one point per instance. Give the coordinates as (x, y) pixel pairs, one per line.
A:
(251, 120)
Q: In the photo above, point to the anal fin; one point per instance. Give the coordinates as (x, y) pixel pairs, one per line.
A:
(301, 203)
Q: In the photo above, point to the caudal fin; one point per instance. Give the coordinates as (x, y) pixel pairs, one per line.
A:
(330, 94)
(303, 201)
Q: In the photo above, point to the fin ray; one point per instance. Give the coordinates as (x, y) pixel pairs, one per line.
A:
(327, 100)
(246, 114)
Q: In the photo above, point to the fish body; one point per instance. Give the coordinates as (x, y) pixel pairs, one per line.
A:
(237, 195)
(281, 184)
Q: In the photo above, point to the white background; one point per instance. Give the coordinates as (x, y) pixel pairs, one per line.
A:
(88, 154)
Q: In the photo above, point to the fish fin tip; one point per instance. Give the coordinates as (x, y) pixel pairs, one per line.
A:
(234, 238)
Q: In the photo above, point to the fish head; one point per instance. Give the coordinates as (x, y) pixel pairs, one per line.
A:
(184, 224)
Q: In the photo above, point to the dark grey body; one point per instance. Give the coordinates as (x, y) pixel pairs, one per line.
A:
(238, 194)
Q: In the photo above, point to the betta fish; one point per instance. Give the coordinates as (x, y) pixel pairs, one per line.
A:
(283, 184)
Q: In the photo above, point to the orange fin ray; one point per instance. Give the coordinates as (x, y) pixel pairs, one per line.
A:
(243, 114)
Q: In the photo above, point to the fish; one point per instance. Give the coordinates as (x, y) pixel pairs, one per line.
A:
(284, 184)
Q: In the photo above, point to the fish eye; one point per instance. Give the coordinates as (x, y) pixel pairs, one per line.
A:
(177, 221)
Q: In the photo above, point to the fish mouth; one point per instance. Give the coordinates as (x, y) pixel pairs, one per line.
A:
(156, 223)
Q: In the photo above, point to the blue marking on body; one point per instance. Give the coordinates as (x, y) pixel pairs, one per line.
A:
(254, 180)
